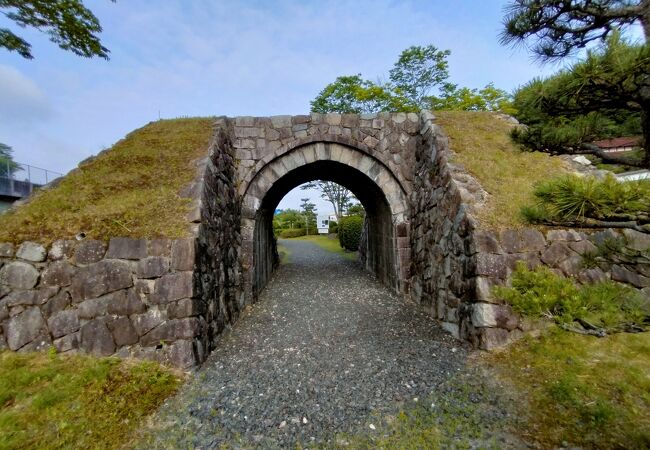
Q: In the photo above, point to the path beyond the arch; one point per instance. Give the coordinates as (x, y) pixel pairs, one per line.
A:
(327, 352)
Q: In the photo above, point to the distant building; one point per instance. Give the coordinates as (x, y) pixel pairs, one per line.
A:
(619, 144)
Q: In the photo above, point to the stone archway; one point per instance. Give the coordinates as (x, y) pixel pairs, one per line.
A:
(368, 178)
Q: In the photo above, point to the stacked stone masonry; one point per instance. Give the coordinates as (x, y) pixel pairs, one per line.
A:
(132, 297)
(170, 300)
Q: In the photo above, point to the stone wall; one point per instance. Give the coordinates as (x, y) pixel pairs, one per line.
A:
(494, 324)
(456, 263)
(132, 297)
(442, 250)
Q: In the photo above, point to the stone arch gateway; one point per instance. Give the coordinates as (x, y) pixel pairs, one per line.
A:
(381, 193)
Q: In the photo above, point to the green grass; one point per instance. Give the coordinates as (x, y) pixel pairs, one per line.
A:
(542, 293)
(483, 146)
(589, 392)
(50, 401)
(331, 245)
(130, 190)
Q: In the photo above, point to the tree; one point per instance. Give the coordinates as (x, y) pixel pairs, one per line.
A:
(7, 164)
(289, 218)
(357, 210)
(308, 210)
(68, 23)
(559, 28)
(339, 196)
(417, 81)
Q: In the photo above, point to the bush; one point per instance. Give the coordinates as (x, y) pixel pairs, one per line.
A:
(350, 229)
(294, 233)
(542, 293)
(575, 198)
(333, 227)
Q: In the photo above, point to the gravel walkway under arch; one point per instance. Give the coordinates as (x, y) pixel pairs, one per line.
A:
(326, 350)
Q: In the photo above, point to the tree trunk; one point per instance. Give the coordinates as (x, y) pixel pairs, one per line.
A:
(645, 18)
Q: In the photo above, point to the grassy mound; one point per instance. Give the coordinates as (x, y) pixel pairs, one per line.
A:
(483, 146)
(130, 190)
(581, 390)
(67, 401)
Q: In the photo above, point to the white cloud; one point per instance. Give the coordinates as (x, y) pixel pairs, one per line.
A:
(21, 100)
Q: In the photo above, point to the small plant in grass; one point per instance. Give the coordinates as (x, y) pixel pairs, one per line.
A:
(542, 293)
(572, 199)
(350, 229)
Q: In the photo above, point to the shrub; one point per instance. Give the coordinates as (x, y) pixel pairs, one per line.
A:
(572, 197)
(294, 233)
(333, 227)
(542, 293)
(350, 229)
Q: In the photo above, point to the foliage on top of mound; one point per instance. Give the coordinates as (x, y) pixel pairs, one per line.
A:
(482, 144)
(130, 190)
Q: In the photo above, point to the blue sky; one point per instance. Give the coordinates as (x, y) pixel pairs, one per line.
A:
(198, 58)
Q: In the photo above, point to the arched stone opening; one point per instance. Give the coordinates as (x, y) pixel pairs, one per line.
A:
(371, 182)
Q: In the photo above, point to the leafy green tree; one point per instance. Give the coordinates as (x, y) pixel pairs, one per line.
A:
(288, 219)
(339, 196)
(68, 23)
(611, 79)
(489, 98)
(419, 70)
(418, 80)
(357, 210)
(308, 211)
(7, 164)
(599, 97)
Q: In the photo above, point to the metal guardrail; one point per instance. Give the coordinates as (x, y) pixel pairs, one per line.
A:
(19, 180)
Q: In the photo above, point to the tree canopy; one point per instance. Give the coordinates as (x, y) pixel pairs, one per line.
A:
(418, 80)
(7, 163)
(559, 28)
(68, 23)
(607, 93)
(339, 196)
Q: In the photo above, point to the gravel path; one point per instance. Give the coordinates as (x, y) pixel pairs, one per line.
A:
(326, 350)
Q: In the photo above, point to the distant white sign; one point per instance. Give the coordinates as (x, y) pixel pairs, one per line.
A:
(323, 224)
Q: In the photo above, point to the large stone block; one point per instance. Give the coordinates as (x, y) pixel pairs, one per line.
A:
(89, 251)
(491, 338)
(490, 265)
(173, 330)
(30, 298)
(625, 275)
(19, 275)
(67, 343)
(152, 267)
(100, 278)
(125, 303)
(123, 331)
(183, 254)
(489, 315)
(59, 273)
(61, 249)
(63, 322)
(173, 286)
(96, 338)
(31, 251)
(637, 240)
(144, 323)
(127, 248)
(6, 249)
(557, 252)
(24, 328)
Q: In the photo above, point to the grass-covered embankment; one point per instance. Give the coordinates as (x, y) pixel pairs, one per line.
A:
(50, 401)
(586, 391)
(131, 190)
(483, 146)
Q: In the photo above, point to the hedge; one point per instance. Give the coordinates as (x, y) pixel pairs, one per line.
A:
(350, 229)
